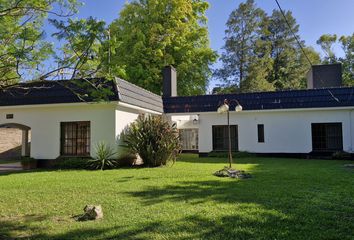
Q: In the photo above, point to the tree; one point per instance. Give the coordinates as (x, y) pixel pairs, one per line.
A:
(326, 42)
(284, 50)
(22, 48)
(241, 35)
(79, 59)
(262, 52)
(256, 80)
(261, 64)
(347, 43)
(80, 55)
(149, 35)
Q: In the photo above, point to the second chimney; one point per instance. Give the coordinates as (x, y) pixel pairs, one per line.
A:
(324, 76)
(169, 81)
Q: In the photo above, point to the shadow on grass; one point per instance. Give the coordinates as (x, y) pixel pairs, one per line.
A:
(191, 227)
(287, 202)
(258, 223)
(19, 227)
(284, 200)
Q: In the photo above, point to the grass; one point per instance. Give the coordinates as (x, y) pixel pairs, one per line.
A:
(285, 199)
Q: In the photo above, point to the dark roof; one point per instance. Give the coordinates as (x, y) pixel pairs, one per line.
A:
(313, 98)
(78, 90)
(132, 94)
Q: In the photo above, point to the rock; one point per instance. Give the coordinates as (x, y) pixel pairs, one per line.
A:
(349, 165)
(232, 173)
(91, 213)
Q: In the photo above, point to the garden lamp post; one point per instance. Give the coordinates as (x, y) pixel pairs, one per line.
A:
(225, 107)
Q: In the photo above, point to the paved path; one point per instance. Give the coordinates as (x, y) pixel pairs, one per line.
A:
(9, 167)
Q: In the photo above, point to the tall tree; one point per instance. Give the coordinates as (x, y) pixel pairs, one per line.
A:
(262, 52)
(326, 42)
(261, 64)
(241, 35)
(22, 48)
(150, 34)
(347, 43)
(284, 49)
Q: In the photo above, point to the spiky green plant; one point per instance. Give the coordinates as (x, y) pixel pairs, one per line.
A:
(104, 157)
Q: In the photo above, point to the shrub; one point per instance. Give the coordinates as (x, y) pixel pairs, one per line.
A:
(154, 139)
(125, 158)
(72, 163)
(104, 157)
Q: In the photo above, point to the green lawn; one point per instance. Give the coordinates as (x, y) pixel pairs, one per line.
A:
(285, 199)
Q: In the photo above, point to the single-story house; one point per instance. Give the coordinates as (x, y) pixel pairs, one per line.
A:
(66, 120)
(319, 120)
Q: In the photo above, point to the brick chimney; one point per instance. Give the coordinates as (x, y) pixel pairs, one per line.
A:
(169, 81)
(324, 76)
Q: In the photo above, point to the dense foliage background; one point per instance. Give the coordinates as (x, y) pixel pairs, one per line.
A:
(260, 51)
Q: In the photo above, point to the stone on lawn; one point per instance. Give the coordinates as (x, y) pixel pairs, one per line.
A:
(232, 173)
(92, 212)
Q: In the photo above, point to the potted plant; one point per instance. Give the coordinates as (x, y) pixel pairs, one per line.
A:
(28, 163)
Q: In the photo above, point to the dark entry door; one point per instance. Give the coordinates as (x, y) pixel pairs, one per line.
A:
(327, 137)
(220, 138)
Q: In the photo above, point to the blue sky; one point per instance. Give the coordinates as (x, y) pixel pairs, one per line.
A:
(315, 17)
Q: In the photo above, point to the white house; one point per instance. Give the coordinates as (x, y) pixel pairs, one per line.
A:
(296, 122)
(65, 120)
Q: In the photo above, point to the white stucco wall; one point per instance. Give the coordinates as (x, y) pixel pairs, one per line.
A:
(286, 131)
(186, 121)
(126, 114)
(107, 120)
(123, 117)
(44, 121)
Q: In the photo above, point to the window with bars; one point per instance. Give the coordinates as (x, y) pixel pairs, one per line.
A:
(75, 138)
(327, 137)
(221, 138)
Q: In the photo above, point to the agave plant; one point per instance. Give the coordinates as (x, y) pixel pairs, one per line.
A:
(104, 157)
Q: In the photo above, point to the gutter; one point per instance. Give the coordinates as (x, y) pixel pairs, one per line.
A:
(269, 110)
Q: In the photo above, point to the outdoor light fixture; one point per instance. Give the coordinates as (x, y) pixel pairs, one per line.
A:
(225, 108)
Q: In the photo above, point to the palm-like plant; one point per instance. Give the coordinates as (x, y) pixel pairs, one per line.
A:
(104, 157)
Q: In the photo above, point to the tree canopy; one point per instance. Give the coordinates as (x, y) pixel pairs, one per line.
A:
(327, 42)
(149, 35)
(22, 45)
(261, 52)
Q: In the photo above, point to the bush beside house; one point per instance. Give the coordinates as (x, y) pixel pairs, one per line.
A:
(154, 139)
